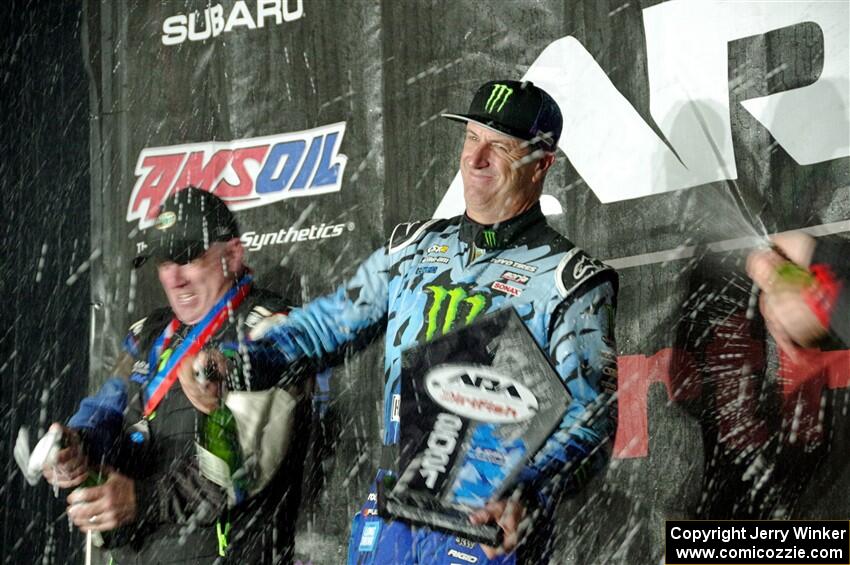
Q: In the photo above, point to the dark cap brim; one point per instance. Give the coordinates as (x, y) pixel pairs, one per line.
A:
(487, 123)
(180, 252)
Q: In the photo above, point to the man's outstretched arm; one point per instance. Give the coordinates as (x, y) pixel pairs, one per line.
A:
(320, 331)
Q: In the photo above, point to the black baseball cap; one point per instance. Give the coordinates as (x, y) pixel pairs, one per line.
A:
(188, 223)
(518, 109)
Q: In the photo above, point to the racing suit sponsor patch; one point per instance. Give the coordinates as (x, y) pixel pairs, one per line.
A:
(586, 266)
(576, 268)
(514, 264)
(369, 537)
(462, 556)
(506, 288)
(515, 277)
(394, 415)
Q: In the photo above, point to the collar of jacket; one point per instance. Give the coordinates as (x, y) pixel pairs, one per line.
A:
(503, 234)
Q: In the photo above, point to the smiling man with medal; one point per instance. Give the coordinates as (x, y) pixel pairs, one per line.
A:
(186, 437)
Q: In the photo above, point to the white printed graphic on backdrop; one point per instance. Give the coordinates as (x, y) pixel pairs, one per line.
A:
(620, 157)
(212, 22)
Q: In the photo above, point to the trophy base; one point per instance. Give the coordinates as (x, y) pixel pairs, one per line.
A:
(446, 520)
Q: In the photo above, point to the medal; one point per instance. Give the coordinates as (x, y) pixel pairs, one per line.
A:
(140, 432)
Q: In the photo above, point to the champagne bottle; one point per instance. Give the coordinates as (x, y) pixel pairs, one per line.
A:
(94, 479)
(795, 275)
(220, 437)
(219, 454)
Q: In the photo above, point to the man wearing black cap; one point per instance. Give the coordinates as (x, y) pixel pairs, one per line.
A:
(166, 498)
(439, 275)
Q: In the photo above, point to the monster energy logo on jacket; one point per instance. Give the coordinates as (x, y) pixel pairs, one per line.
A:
(498, 97)
(449, 304)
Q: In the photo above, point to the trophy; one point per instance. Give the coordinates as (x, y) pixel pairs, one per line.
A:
(476, 405)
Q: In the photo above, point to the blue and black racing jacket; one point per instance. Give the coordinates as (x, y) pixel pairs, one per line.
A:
(441, 274)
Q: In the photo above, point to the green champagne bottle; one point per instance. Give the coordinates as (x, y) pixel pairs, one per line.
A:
(94, 479)
(221, 438)
(219, 454)
(795, 275)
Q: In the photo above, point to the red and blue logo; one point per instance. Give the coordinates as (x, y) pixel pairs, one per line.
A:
(245, 173)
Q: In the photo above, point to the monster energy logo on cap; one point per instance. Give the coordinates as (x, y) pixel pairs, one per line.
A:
(532, 114)
(498, 96)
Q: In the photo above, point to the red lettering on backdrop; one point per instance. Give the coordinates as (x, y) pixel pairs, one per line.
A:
(211, 175)
(801, 383)
(245, 186)
(156, 183)
(672, 367)
(203, 175)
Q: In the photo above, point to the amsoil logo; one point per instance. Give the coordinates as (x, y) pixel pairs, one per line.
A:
(246, 173)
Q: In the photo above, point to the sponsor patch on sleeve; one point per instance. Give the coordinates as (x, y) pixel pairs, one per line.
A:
(575, 268)
(586, 266)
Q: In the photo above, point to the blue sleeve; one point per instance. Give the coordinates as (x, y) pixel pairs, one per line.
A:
(321, 329)
(100, 417)
(583, 351)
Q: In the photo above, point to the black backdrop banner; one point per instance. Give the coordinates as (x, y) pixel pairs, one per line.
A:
(319, 122)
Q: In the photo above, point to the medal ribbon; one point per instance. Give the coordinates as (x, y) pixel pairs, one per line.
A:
(192, 344)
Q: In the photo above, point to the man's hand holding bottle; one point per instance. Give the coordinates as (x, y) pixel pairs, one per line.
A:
(791, 292)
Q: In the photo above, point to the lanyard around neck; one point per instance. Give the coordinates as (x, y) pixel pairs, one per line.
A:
(166, 374)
